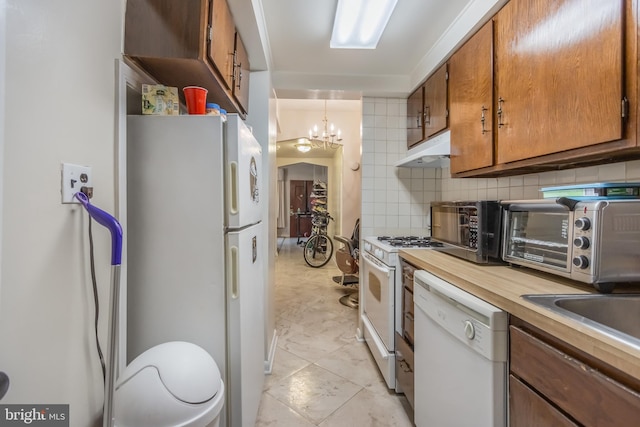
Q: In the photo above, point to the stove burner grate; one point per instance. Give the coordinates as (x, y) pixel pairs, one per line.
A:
(409, 241)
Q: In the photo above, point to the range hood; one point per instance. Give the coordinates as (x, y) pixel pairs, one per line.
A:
(433, 153)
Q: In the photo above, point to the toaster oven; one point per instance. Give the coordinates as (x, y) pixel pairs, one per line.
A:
(592, 241)
(468, 229)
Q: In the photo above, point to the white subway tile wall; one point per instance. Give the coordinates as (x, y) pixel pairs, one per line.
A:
(395, 201)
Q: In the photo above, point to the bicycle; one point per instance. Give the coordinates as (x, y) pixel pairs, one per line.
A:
(318, 249)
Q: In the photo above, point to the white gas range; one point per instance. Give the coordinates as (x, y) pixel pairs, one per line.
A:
(381, 297)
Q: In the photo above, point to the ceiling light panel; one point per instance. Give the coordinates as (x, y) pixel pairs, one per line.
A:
(359, 24)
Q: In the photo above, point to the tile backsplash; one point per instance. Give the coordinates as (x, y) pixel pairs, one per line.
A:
(396, 200)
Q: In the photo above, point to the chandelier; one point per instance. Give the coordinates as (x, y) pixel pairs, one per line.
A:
(328, 139)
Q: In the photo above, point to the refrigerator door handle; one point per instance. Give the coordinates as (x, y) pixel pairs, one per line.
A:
(233, 188)
(233, 272)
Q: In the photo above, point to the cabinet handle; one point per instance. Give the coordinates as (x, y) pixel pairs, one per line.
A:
(405, 366)
(239, 76)
(418, 115)
(483, 119)
(499, 112)
(427, 115)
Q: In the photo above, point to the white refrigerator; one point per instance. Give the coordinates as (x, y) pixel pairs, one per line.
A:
(194, 264)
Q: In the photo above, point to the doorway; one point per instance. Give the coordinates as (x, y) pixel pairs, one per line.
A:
(296, 182)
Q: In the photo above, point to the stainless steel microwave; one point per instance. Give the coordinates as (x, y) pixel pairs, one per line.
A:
(591, 241)
(468, 229)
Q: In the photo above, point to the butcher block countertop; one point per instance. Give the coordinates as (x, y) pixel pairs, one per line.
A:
(503, 287)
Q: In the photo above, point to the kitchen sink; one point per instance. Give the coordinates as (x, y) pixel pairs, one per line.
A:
(615, 315)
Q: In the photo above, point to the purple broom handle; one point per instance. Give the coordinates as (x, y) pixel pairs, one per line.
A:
(107, 220)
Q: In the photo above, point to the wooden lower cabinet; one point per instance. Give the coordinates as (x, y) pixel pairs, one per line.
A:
(529, 409)
(550, 387)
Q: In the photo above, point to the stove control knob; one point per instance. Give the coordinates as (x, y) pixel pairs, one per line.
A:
(583, 223)
(469, 330)
(581, 261)
(581, 242)
(378, 252)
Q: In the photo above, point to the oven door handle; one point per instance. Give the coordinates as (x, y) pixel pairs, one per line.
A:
(382, 349)
(373, 261)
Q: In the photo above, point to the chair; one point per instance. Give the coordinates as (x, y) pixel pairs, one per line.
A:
(347, 260)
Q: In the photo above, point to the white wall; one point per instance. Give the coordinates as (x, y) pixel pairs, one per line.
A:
(3, 22)
(394, 200)
(528, 186)
(60, 108)
(262, 119)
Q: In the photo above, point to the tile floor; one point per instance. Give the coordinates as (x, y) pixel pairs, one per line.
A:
(322, 375)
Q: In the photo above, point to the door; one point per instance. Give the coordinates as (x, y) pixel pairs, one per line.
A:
(300, 206)
(435, 103)
(245, 324)
(221, 44)
(379, 298)
(471, 102)
(415, 117)
(558, 76)
(243, 177)
(241, 70)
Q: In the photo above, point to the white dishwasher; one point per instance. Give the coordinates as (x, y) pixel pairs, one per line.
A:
(460, 357)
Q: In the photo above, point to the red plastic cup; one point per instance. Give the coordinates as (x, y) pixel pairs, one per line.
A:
(196, 98)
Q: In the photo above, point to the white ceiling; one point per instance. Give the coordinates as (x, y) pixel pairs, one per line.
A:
(291, 39)
(299, 32)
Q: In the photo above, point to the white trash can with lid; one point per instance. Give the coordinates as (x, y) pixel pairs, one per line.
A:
(172, 384)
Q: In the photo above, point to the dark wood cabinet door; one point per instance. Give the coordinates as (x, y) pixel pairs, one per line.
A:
(436, 110)
(528, 409)
(222, 40)
(471, 102)
(584, 393)
(415, 110)
(241, 74)
(299, 201)
(558, 71)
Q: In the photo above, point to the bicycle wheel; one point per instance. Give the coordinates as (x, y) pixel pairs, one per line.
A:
(318, 250)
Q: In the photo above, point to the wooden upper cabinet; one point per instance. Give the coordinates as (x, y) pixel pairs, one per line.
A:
(471, 102)
(436, 110)
(241, 74)
(186, 43)
(427, 109)
(558, 76)
(221, 45)
(415, 117)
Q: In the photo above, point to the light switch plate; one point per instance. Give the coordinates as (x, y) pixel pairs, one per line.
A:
(74, 177)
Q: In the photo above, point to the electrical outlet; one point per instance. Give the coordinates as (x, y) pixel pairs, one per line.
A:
(74, 177)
